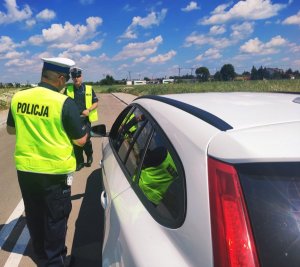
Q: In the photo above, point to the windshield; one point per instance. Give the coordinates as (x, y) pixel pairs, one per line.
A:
(272, 195)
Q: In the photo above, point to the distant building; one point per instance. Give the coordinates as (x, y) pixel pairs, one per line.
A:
(168, 81)
(139, 82)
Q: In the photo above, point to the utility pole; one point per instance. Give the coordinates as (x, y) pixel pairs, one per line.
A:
(129, 75)
(192, 71)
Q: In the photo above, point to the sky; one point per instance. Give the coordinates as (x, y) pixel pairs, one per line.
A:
(133, 39)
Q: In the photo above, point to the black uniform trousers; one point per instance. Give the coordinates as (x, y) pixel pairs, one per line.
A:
(87, 148)
(47, 201)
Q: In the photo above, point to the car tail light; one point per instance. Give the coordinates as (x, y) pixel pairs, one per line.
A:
(233, 243)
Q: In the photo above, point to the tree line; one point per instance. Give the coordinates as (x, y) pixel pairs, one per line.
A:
(226, 73)
(202, 74)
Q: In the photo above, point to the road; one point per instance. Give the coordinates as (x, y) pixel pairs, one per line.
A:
(85, 225)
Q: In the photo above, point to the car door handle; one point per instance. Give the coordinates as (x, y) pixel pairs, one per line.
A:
(104, 200)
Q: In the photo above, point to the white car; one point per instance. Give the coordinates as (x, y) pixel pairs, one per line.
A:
(204, 179)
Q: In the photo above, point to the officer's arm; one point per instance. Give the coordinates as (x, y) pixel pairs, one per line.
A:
(93, 106)
(81, 141)
(10, 130)
(10, 124)
(75, 129)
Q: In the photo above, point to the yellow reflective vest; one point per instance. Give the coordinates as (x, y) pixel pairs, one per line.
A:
(93, 115)
(42, 145)
(155, 181)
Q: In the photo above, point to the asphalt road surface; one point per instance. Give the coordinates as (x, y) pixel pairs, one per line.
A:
(85, 225)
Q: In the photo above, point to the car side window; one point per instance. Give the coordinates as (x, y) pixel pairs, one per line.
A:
(159, 180)
(151, 165)
(127, 130)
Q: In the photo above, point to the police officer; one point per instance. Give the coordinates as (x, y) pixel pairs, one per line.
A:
(46, 124)
(157, 174)
(87, 102)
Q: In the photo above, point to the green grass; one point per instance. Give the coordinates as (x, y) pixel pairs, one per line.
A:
(236, 86)
(161, 89)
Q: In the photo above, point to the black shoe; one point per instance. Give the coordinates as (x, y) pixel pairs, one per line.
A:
(79, 166)
(89, 161)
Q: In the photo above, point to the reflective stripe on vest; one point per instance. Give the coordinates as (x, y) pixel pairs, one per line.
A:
(42, 145)
(93, 115)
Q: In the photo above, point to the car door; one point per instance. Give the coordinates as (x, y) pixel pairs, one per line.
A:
(140, 220)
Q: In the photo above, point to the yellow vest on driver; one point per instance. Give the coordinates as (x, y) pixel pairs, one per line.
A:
(93, 115)
(42, 145)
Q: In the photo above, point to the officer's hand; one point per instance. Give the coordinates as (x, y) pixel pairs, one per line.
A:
(86, 112)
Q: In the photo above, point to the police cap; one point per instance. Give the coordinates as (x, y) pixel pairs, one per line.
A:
(76, 72)
(58, 64)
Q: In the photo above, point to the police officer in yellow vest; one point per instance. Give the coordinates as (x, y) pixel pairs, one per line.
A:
(87, 102)
(46, 124)
(157, 174)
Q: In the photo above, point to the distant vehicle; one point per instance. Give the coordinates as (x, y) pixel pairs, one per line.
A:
(139, 82)
(168, 81)
(206, 179)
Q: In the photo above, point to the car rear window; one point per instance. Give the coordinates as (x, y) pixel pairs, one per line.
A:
(272, 196)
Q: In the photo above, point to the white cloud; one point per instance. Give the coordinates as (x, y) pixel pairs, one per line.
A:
(199, 40)
(241, 31)
(62, 45)
(19, 62)
(14, 14)
(191, 6)
(136, 50)
(30, 23)
(163, 58)
(139, 59)
(85, 48)
(153, 18)
(295, 48)
(103, 57)
(245, 10)
(36, 40)
(46, 14)
(67, 33)
(211, 53)
(6, 44)
(295, 19)
(11, 55)
(255, 46)
(216, 29)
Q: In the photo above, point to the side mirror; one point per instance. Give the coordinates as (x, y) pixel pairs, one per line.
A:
(99, 131)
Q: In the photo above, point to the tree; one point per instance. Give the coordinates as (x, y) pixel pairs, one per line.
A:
(217, 76)
(109, 80)
(202, 74)
(254, 75)
(227, 72)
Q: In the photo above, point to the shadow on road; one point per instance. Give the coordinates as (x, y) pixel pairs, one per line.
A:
(88, 236)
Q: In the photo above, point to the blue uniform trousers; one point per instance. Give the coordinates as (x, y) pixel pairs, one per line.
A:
(47, 201)
(87, 148)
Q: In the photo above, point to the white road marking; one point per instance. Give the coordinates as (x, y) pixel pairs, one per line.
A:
(18, 250)
(11, 222)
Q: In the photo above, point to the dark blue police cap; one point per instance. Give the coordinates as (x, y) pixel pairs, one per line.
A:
(76, 72)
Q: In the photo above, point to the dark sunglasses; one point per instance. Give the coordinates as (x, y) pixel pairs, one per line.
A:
(76, 76)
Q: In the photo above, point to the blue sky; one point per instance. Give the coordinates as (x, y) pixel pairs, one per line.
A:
(137, 39)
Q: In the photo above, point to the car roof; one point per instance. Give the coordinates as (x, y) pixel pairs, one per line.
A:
(244, 109)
